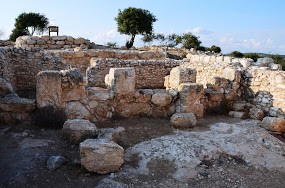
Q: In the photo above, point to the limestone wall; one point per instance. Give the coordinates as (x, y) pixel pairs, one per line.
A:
(4, 43)
(80, 59)
(265, 89)
(20, 65)
(149, 73)
(53, 42)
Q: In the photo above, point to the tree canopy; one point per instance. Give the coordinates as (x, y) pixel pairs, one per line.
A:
(28, 24)
(133, 21)
(236, 54)
(189, 40)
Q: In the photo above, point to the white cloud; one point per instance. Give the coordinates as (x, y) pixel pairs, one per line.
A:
(199, 31)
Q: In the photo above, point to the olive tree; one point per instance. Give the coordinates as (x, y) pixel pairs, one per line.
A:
(28, 24)
(189, 40)
(134, 21)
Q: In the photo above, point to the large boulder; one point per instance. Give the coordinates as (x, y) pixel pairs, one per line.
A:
(77, 130)
(5, 87)
(273, 124)
(101, 156)
(183, 120)
(161, 99)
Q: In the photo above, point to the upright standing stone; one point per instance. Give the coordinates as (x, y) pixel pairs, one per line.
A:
(49, 91)
(121, 81)
(180, 75)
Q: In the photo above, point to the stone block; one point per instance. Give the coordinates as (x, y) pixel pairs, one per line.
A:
(180, 75)
(5, 87)
(273, 124)
(183, 120)
(76, 110)
(122, 81)
(217, 83)
(196, 109)
(109, 133)
(79, 41)
(12, 103)
(49, 90)
(189, 92)
(214, 96)
(77, 130)
(101, 156)
(232, 74)
(98, 94)
(161, 99)
(73, 94)
(235, 114)
(256, 113)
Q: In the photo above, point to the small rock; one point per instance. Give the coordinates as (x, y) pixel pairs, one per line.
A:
(55, 162)
(273, 124)
(109, 133)
(256, 113)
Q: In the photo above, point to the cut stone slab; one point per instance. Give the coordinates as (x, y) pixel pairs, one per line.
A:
(77, 130)
(107, 183)
(236, 114)
(256, 113)
(98, 94)
(109, 133)
(161, 99)
(273, 124)
(121, 81)
(12, 103)
(101, 156)
(49, 91)
(55, 162)
(180, 75)
(183, 120)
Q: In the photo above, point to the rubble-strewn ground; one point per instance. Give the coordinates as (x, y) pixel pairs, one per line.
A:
(219, 152)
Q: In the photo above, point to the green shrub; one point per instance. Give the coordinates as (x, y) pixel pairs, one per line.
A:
(253, 56)
(236, 54)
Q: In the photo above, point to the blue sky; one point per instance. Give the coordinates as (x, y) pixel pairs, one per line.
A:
(243, 25)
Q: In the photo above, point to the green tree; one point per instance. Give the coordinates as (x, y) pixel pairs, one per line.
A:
(278, 59)
(111, 44)
(173, 40)
(253, 56)
(236, 54)
(189, 40)
(215, 49)
(28, 24)
(148, 38)
(160, 38)
(134, 21)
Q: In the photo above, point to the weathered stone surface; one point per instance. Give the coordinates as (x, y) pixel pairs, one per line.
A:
(49, 91)
(196, 109)
(122, 81)
(76, 110)
(101, 156)
(12, 103)
(77, 130)
(180, 75)
(217, 83)
(236, 114)
(79, 41)
(107, 183)
(215, 96)
(109, 133)
(183, 120)
(98, 94)
(55, 162)
(161, 99)
(73, 94)
(143, 95)
(239, 106)
(189, 92)
(231, 74)
(273, 124)
(256, 113)
(5, 87)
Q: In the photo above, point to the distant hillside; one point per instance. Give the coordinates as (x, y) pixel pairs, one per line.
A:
(264, 55)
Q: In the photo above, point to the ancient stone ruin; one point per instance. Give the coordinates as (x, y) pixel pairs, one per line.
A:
(95, 85)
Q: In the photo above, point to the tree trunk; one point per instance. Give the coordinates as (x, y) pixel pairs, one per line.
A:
(131, 42)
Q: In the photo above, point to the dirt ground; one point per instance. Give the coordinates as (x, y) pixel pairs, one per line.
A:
(25, 149)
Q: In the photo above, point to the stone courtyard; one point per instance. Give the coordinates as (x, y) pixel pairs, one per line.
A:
(135, 118)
